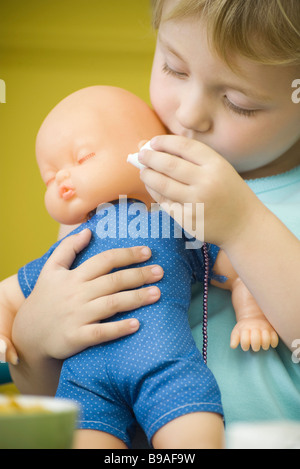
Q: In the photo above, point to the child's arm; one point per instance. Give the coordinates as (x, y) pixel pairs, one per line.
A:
(11, 299)
(262, 250)
(252, 328)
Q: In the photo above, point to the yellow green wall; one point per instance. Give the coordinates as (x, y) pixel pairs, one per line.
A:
(48, 49)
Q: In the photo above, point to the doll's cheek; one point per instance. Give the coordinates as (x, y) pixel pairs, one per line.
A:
(52, 204)
(69, 212)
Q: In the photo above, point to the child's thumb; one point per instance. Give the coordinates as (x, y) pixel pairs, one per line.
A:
(66, 252)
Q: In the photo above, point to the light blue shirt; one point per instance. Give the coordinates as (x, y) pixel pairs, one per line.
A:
(254, 386)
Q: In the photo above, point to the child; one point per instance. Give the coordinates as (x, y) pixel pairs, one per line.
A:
(258, 132)
(222, 76)
(81, 151)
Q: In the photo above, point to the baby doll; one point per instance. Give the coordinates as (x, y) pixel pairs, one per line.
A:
(156, 376)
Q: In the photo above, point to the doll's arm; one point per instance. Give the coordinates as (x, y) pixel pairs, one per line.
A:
(252, 328)
(11, 299)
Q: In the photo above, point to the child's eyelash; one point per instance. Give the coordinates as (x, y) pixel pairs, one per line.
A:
(169, 71)
(239, 110)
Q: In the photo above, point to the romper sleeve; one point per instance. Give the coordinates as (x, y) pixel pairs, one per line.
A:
(198, 263)
(29, 274)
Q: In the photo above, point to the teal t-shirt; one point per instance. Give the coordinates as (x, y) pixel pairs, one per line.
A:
(254, 386)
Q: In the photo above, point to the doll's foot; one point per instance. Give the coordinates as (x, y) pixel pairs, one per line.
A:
(254, 334)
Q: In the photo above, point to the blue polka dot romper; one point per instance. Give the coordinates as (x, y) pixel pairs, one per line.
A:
(156, 374)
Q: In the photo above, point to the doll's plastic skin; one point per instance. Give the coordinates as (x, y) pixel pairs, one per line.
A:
(83, 162)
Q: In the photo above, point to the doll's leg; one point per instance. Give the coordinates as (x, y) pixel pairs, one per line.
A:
(252, 328)
(199, 430)
(93, 439)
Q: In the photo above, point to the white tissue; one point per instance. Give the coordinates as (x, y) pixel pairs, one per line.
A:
(134, 157)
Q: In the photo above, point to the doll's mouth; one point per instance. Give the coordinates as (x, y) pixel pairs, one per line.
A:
(66, 192)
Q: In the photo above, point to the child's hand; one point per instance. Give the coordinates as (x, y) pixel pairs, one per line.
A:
(61, 316)
(8, 353)
(255, 333)
(182, 171)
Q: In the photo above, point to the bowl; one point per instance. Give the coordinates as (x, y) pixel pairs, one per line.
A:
(34, 422)
(276, 435)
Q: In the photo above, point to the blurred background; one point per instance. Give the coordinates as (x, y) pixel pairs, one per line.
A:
(49, 49)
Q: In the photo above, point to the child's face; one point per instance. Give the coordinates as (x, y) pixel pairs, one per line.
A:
(249, 118)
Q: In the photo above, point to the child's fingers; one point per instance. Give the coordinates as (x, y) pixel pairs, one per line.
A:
(96, 334)
(169, 165)
(65, 254)
(123, 280)
(165, 185)
(160, 199)
(105, 262)
(108, 306)
(190, 150)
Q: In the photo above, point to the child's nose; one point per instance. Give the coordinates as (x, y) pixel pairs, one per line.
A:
(62, 175)
(195, 114)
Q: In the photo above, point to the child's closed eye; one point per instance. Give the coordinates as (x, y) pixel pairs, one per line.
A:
(169, 71)
(239, 110)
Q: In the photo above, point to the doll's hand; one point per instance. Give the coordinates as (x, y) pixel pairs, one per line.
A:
(184, 171)
(8, 353)
(255, 333)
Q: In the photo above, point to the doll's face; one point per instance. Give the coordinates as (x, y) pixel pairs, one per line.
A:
(82, 149)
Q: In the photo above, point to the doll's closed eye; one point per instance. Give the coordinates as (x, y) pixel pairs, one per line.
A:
(87, 157)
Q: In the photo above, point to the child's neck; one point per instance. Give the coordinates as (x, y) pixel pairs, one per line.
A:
(286, 162)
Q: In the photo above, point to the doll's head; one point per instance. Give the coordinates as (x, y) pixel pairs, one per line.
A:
(82, 148)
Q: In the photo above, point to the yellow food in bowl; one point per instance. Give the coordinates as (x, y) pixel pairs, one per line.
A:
(13, 407)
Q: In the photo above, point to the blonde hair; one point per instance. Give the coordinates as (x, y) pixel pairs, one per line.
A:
(265, 31)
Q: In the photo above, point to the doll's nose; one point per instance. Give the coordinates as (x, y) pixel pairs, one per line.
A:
(62, 175)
